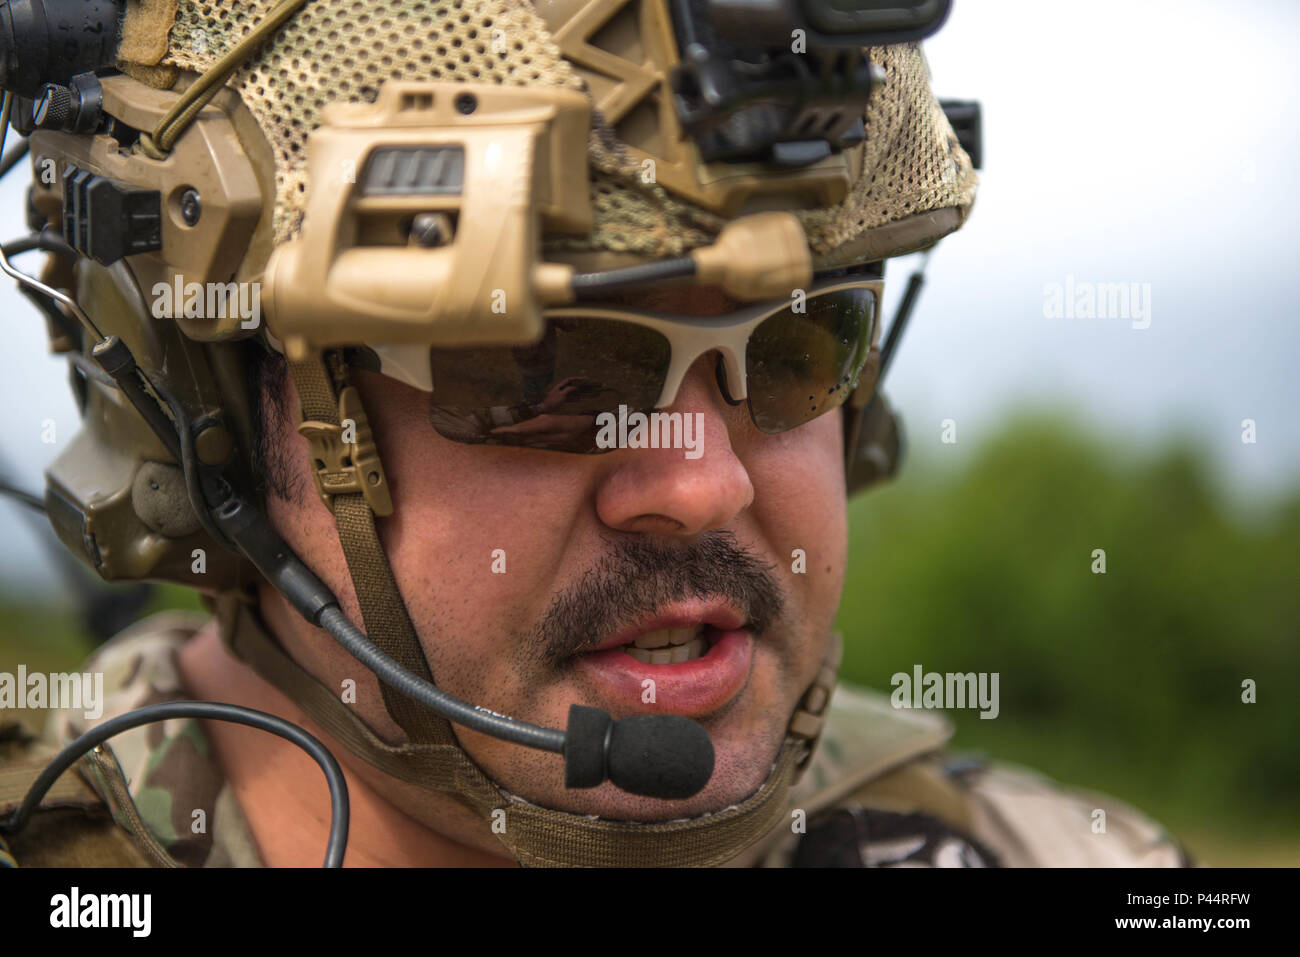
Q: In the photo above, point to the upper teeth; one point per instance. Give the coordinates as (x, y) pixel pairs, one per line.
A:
(668, 636)
(668, 645)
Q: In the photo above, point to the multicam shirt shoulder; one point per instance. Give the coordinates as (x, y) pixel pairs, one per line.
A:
(881, 791)
(176, 791)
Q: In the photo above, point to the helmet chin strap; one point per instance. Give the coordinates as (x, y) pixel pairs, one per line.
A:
(351, 482)
(538, 836)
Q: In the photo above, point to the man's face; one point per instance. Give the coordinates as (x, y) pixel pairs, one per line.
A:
(524, 571)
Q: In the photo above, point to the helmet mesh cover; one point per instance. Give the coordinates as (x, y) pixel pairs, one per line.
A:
(344, 50)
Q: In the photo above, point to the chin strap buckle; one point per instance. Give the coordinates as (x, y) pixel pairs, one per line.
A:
(344, 458)
(810, 716)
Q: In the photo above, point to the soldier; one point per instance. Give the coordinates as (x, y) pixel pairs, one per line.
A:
(487, 239)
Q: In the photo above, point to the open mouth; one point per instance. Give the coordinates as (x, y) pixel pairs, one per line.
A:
(689, 659)
(670, 646)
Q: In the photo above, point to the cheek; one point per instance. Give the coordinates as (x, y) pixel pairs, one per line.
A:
(456, 504)
(477, 541)
(468, 522)
(800, 506)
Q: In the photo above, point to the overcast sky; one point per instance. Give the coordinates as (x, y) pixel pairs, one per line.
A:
(1127, 141)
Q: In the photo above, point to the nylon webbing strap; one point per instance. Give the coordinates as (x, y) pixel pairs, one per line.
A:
(554, 839)
(387, 623)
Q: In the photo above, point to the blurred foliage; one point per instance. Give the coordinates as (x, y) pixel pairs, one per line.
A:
(52, 636)
(1128, 682)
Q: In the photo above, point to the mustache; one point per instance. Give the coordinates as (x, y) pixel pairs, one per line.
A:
(638, 577)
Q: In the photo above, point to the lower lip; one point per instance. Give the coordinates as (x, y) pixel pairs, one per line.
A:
(693, 688)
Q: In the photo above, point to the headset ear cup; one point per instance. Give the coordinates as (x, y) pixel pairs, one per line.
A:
(873, 445)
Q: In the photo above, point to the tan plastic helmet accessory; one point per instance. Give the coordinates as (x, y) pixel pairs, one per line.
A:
(112, 494)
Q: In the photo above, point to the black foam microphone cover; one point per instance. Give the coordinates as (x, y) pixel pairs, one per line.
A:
(585, 741)
(659, 755)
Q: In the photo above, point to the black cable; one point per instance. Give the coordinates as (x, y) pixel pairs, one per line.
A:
(92, 371)
(338, 785)
(189, 464)
(904, 311)
(589, 285)
(393, 674)
(19, 495)
(47, 240)
(14, 156)
(23, 244)
(115, 358)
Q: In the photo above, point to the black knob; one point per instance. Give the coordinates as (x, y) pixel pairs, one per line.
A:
(52, 107)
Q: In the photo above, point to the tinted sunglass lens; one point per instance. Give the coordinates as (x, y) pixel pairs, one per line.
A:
(803, 364)
(547, 395)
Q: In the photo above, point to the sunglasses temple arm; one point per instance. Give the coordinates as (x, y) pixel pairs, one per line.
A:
(904, 311)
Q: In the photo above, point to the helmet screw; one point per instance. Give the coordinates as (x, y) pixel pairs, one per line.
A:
(214, 445)
(191, 208)
(431, 229)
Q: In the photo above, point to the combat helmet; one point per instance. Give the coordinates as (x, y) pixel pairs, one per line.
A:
(372, 184)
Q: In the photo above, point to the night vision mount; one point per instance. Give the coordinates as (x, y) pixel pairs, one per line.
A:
(785, 82)
(51, 41)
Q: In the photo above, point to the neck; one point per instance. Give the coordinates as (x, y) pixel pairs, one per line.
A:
(282, 793)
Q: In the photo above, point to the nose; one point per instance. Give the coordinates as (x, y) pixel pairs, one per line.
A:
(680, 491)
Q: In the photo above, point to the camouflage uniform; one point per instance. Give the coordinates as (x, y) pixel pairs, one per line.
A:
(879, 791)
(148, 781)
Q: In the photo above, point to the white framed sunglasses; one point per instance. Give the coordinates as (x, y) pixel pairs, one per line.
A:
(789, 361)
